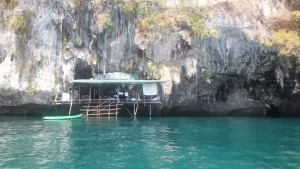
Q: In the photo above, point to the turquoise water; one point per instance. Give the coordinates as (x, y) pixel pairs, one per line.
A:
(170, 142)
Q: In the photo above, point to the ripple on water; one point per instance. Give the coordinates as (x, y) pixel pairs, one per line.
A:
(150, 143)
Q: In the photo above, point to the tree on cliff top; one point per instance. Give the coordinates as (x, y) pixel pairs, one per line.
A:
(286, 33)
(154, 16)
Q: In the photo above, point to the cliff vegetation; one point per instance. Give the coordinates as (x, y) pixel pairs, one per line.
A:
(285, 35)
(216, 56)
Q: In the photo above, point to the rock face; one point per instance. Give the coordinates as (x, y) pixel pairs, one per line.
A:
(57, 41)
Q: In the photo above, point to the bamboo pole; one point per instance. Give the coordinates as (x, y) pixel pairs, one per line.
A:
(90, 94)
(100, 110)
(99, 93)
(87, 112)
(79, 94)
(118, 100)
(71, 105)
(134, 112)
(136, 100)
(150, 104)
(109, 108)
(118, 96)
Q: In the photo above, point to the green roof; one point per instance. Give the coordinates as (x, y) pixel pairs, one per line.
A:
(93, 81)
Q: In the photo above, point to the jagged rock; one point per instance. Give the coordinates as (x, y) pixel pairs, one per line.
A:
(211, 75)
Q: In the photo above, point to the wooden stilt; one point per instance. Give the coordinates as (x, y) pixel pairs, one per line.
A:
(90, 94)
(87, 113)
(118, 94)
(134, 112)
(136, 99)
(117, 108)
(109, 101)
(79, 94)
(137, 107)
(99, 93)
(150, 104)
(118, 100)
(70, 106)
(99, 107)
(94, 93)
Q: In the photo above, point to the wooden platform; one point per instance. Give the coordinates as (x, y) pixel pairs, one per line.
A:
(101, 107)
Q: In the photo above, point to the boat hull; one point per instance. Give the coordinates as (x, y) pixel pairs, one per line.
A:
(61, 117)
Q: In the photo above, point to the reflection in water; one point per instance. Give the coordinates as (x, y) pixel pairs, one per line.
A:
(57, 135)
(158, 143)
(34, 141)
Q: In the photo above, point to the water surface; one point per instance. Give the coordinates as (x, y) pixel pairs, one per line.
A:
(163, 142)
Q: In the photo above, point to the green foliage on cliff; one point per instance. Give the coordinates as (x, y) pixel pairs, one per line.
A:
(8, 4)
(174, 69)
(154, 16)
(100, 2)
(295, 18)
(32, 88)
(93, 60)
(130, 7)
(286, 31)
(66, 52)
(287, 41)
(17, 22)
(65, 41)
(152, 70)
(56, 80)
(206, 74)
(76, 40)
(141, 7)
(77, 3)
(195, 18)
(20, 23)
(129, 67)
(103, 20)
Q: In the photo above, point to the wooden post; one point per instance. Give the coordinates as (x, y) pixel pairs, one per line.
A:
(70, 106)
(150, 104)
(134, 111)
(100, 104)
(137, 107)
(197, 72)
(117, 110)
(118, 96)
(136, 99)
(97, 107)
(79, 94)
(94, 93)
(90, 94)
(108, 107)
(99, 93)
(118, 100)
(197, 78)
(87, 112)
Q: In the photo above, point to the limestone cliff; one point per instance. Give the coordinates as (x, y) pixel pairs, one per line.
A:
(45, 44)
